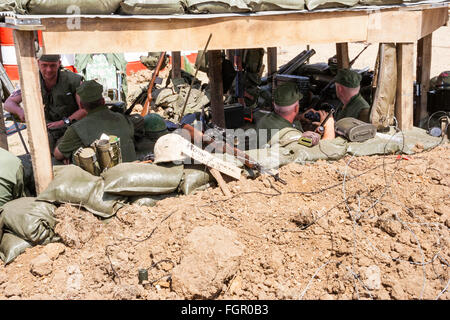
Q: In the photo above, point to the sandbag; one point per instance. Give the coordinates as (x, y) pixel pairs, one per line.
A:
(379, 2)
(7, 5)
(76, 186)
(322, 4)
(132, 179)
(218, 6)
(62, 6)
(30, 220)
(385, 79)
(149, 201)
(195, 177)
(12, 246)
(275, 5)
(151, 7)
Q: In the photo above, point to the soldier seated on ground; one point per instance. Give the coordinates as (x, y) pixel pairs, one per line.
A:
(285, 114)
(11, 177)
(99, 120)
(154, 128)
(347, 91)
(58, 88)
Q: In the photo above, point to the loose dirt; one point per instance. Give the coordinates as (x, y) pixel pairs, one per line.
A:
(358, 228)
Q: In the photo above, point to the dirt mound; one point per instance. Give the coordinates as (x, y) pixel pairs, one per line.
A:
(358, 228)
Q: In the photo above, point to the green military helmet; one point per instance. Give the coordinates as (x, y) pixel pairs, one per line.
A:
(154, 126)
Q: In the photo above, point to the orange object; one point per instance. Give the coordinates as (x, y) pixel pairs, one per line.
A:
(400, 157)
(148, 101)
(134, 66)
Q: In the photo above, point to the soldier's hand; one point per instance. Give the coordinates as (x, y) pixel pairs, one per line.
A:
(55, 125)
(21, 115)
(302, 117)
(323, 114)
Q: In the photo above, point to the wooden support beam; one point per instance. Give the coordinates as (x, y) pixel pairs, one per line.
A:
(216, 85)
(34, 109)
(271, 60)
(3, 136)
(404, 106)
(220, 181)
(176, 64)
(343, 60)
(423, 71)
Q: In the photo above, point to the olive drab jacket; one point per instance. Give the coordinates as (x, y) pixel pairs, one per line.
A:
(11, 177)
(353, 109)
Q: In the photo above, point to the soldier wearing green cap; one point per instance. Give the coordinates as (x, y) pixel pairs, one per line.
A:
(58, 88)
(285, 114)
(347, 91)
(99, 120)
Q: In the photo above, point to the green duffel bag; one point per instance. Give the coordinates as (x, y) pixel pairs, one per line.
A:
(76, 186)
(195, 177)
(322, 4)
(151, 7)
(208, 6)
(133, 179)
(275, 5)
(11, 247)
(30, 220)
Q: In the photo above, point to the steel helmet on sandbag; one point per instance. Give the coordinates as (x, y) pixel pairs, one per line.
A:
(167, 148)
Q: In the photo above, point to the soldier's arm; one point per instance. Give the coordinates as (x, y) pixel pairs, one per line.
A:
(80, 113)
(70, 142)
(12, 105)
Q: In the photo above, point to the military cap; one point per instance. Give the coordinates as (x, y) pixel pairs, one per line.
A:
(348, 78)
(287, 94)
(90, 91)
(153, 122)
(49, 57)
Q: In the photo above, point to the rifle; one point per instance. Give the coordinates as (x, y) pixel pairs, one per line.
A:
(198, 138)
(148, 101)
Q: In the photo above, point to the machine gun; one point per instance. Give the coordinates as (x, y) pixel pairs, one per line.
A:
(198, 138)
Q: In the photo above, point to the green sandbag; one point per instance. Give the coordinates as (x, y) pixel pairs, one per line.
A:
(62, 6)
(195, 177)
(149, 201)
(30, 220)
(322, 4)
(7, 5)
(11, 177)
(132, 179)
(151, 7)
(209, 6)
(11, 247)
(379, 2)
(78, 187)
(1, 227)
(275, 5)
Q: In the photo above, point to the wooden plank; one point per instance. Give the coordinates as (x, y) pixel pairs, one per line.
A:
(405, 78)
(271, 60)
(3, 136)
(34, 109)
(433, 19)
(216, 84)
(220, 181)
(343, 60)
(423, 71)
(176, 64)
(190, 34)
(394, 26)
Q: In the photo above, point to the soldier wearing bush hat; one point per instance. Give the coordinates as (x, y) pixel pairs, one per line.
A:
(347, 91)
(99, 120)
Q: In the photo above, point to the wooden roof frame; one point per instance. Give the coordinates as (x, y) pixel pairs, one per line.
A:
(404, 26)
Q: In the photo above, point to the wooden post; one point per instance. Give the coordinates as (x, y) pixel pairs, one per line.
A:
(423, 71)
(34, 109)
(271, 60)
(220, 181)
(3, 136)
(404, 105)
(176, 64)
(216, 85)
(343, 61)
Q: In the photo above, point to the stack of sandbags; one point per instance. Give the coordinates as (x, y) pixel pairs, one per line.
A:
(322, 4)
(65, 6)
(217, 6)
(275, 5)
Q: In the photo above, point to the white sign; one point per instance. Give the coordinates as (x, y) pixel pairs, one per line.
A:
(209, 160)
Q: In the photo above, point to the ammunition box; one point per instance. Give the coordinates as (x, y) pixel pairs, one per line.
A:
(355, 130)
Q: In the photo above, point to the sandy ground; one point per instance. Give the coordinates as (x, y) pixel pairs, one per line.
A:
(358, 228)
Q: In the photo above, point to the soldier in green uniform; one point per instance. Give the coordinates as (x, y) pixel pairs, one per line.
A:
(58, 88)
(347, 90)
(11, 177)
(154, 127)
(285, 114)
(99, 120)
